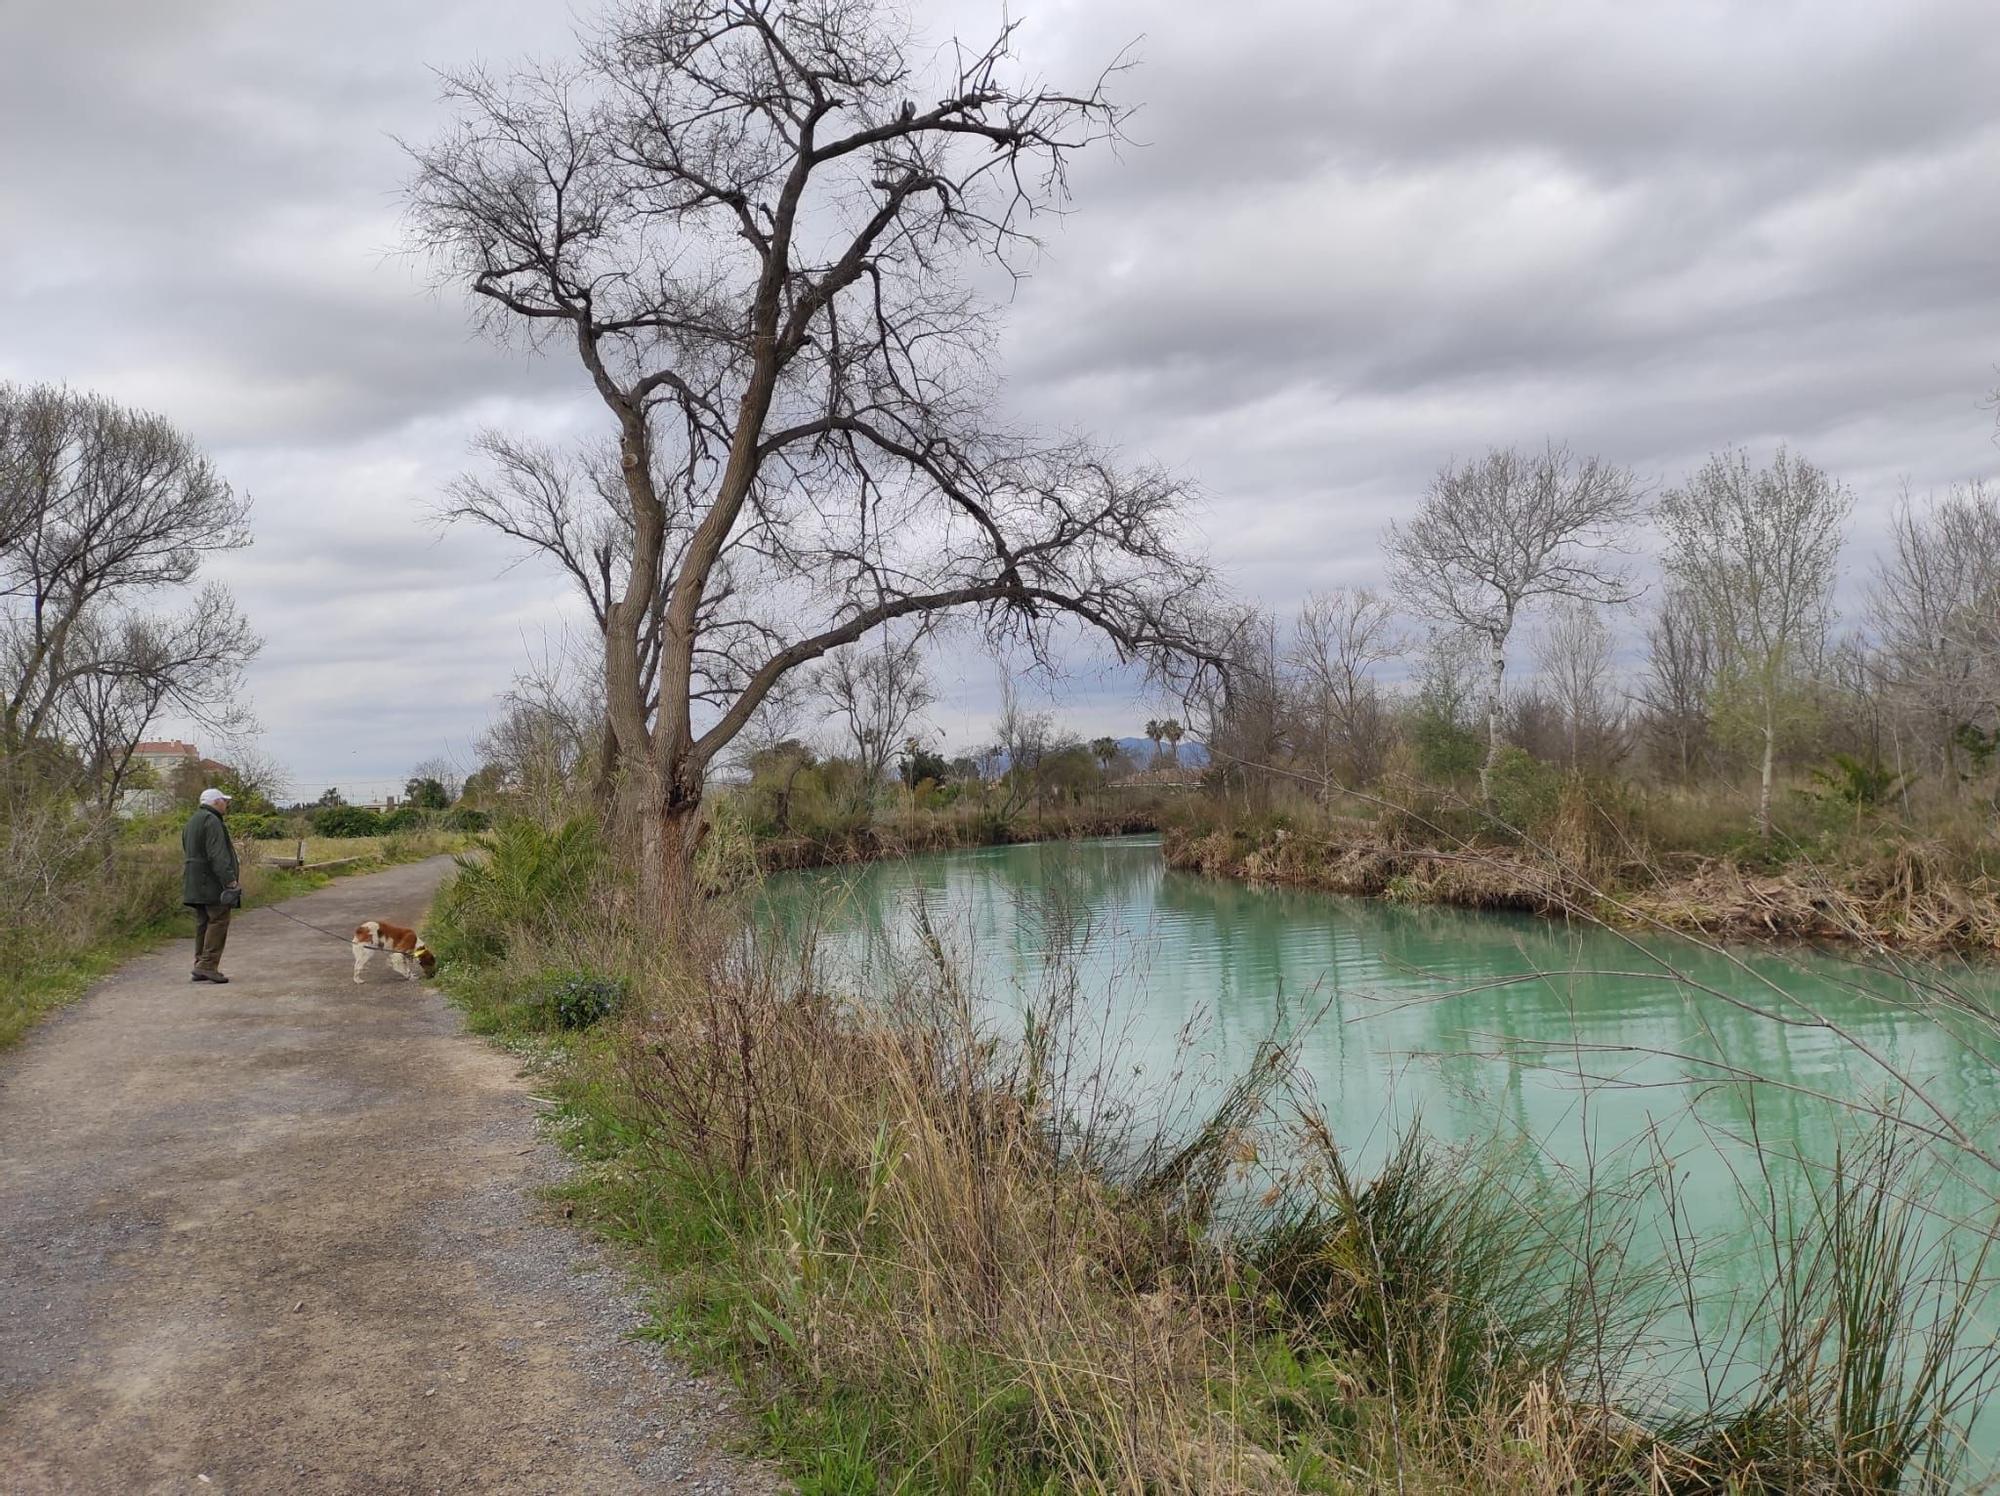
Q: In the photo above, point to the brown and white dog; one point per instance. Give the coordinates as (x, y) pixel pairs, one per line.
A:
(406, 953)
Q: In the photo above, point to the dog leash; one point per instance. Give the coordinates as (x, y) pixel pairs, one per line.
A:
(329, 934)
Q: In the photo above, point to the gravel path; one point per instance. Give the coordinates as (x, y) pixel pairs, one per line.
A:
(285, 1235)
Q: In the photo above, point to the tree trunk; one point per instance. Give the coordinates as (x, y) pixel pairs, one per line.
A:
(1764, 791)
(679, 833)
(1496, 668)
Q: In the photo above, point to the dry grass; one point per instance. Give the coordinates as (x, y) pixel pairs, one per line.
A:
(1661, 859)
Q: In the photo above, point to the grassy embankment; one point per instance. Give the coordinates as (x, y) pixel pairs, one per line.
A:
(104, 906)
(939, 1257)
(1923, 875)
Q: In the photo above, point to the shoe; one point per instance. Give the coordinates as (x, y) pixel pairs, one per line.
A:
(198, 976)
(218, 978)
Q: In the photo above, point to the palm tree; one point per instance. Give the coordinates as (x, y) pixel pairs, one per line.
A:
(1105, 751)
(1154, 732)
(1172, 731)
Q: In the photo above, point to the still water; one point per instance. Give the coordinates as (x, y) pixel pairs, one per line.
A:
(1578, 1047)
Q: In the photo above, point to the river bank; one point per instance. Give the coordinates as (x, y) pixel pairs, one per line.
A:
(914, 833)
(883, 1202)
(1898, 896)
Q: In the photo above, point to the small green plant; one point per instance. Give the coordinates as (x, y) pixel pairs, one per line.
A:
(577, 1000)
(1856, 781)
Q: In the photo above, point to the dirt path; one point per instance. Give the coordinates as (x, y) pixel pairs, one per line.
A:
(283, 1235)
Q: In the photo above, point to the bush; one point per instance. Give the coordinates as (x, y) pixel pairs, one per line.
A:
(260, 826)
(530, 883)
(1525, 790)
(346, 820)
(577, 1000)
(467, 820)
(406, 818)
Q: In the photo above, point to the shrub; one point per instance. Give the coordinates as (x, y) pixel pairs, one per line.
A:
(260, 826)
(465, 819)
(406, 818)
(530, 884)
(346, 820)
(1525, 790)
(577, 1000)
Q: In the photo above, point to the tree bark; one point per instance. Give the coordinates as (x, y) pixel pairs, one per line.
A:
(1764, 791)
(1497, 668)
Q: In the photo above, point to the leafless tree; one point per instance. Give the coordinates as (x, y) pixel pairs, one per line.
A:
(128, 669)
(1493, 537)
(1023, 741)
(1676, 693)
(106, 510)
(751, 223)
(1574, 657)
(547, 735)
(1246, 716)
(1338, 639)
(1936, 601)
(1757, 550)
(875, 695)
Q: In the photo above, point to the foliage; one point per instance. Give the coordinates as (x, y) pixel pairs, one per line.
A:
(525, 886)
(427, 793)
(1523, 791)
(918, 763)
(1858, 782)
(467, 819)
(254, 825)
(576, 1000)
(345, 820)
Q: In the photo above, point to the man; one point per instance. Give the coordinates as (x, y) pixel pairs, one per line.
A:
(208, 866)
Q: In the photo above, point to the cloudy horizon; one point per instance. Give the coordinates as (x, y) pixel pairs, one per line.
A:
(1348, 243)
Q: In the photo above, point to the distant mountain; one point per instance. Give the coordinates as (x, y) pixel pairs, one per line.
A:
(1192, 755)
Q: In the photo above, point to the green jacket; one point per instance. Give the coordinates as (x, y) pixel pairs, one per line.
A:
(208, 861)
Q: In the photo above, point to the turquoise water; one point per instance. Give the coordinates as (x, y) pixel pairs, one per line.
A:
(1578, 1046)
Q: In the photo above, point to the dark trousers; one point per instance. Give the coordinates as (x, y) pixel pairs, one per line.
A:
(211, 931)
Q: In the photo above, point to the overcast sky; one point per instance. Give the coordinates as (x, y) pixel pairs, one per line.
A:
(1354, 240)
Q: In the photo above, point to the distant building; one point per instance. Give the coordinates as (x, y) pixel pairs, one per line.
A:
(169, 759)
(166, 756)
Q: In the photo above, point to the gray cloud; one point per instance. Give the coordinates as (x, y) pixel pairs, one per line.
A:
(1350, 241)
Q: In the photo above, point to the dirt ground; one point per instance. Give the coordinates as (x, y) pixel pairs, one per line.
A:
(284, 1235)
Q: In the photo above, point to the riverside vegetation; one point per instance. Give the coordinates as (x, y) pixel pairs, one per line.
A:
(944, 1252)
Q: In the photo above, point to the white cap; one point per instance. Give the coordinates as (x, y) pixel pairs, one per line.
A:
(214, 797)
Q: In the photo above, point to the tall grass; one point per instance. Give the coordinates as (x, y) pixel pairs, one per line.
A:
(945, 1250)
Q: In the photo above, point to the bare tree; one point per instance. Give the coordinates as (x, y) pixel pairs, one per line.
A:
(1574, 657)
(1023, 741)
(1246, 716)
(876, 696)
(751, 225)
(1757, 550)
(547, 735)
(124, 670)
(1338, 639)
(1494, 536)
(104, 509)
(1677, 691)
(1936, 600)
